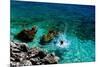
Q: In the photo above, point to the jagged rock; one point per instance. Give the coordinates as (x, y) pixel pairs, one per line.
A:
(26, 63)
(27, 35)
(14, 64)
(48, 37)
(33, 52)
(51, 59)
(13, 44)
(15, 50)
(33, 61)
(23, 47)
(29, 56)
(41, 54)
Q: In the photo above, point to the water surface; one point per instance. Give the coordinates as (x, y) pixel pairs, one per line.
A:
(76, 23)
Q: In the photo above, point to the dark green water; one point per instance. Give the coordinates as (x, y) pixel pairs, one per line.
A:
(76, 22)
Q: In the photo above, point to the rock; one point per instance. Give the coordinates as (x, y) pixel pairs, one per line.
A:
(26, 63)
(23, 47)
(48, 37)
(12, 44)
(33, 61)
(27, 35)
(33, 52)
(41, 54)
(29, 56)
(12, 59)
(51, 59)
(14, 64)
(15, 50)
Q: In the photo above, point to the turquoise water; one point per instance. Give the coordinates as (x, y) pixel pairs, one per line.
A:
(76, 23)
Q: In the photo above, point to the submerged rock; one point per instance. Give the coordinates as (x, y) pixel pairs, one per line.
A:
(22, 55)
(27, 35)
(48, 37)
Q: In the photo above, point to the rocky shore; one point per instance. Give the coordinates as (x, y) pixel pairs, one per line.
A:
(22, 55)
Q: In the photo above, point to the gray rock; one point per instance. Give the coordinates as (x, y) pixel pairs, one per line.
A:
(51, 58)
(22, 55)
(26, 63)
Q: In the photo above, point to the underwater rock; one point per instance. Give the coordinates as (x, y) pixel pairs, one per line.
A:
(22, 55)
(48, 37)
(27, 35)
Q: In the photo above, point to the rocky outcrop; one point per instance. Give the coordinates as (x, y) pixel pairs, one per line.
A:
(22, 55)
(48, 37)
(27, 35)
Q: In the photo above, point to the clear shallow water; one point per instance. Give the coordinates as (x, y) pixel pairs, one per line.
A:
(76, 22)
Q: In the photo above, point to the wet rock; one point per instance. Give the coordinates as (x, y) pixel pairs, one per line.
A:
(27, 35)
(48, 37)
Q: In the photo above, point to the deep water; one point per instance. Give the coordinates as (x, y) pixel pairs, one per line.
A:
(76, 23)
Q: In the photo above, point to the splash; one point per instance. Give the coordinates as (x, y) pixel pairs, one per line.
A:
(61, 41)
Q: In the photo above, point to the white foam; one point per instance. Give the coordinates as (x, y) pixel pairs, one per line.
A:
(62, 37)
